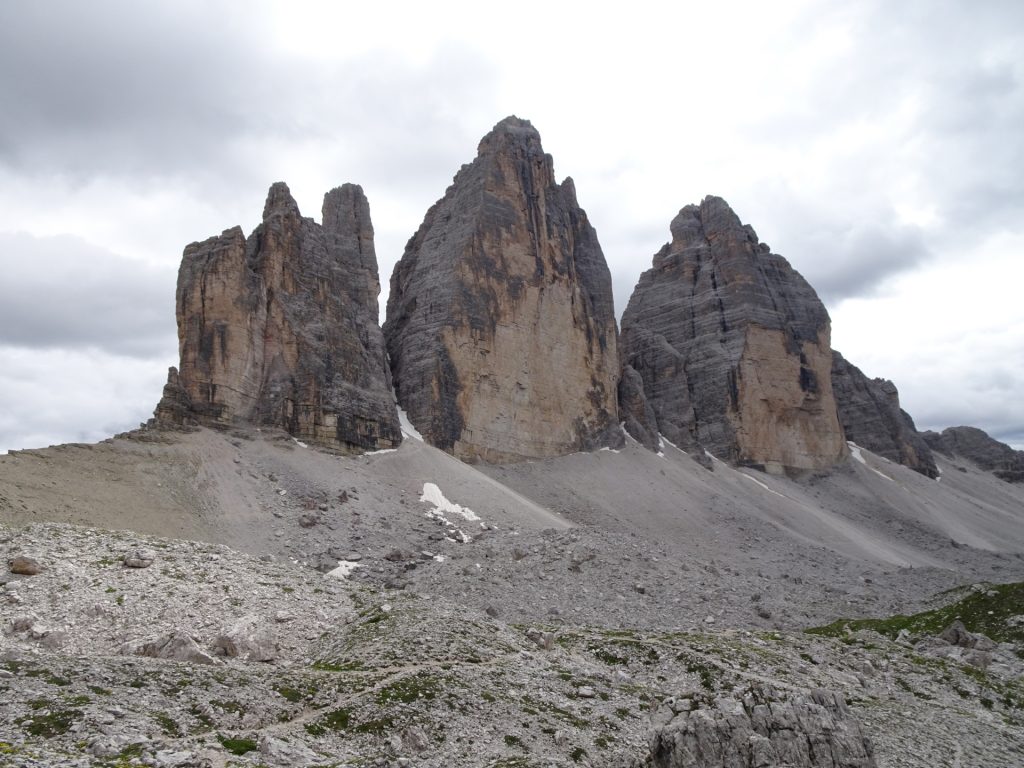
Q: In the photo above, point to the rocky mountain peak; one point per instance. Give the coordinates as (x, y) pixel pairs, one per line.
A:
(732, 345)
(280, 328)
(280, 202)
(511, 134)
(500, 323)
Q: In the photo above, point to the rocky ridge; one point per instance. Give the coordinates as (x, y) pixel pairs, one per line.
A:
(869, 410)
(733, 348)
(975, 445)
(280, 329)
(500, 322)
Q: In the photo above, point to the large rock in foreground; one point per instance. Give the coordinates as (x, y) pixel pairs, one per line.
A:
(869, 410)
(500, 324)
(760, 728)
(281, 330)
(975, 445)
(733, 347)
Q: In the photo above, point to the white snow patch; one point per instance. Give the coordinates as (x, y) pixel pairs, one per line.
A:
(432, 495)
(344, 569)
(379, 452)
(440, 558)
(855, 450)
(859, 456)
(407, 428)
(663, 441)
(299, 443)
(749, 477)
(612, 450)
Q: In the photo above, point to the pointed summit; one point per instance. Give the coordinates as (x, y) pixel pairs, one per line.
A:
(500, 324)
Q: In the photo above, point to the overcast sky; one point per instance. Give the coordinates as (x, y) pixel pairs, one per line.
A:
(879, 146)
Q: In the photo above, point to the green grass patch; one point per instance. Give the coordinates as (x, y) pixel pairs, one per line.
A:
(167, 724)
(410, 689)
(237, 746)
(336, 720)
(47, 724)
(987, 611)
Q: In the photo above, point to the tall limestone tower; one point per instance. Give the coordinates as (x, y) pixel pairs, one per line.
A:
(280, 329)
(500, 325)
(726, 348)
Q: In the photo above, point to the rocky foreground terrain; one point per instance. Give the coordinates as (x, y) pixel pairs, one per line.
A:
(401, 608)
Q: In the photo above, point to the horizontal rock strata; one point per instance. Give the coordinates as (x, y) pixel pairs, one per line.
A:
(733, 347)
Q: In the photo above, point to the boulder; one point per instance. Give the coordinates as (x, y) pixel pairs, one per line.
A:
(140, 558)
(176, 646)
(733, 348)
(250, 638)
(500, 324)
(756, 728)
(280, 329)
(23, 565)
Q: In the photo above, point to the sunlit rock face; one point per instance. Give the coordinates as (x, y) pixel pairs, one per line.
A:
(280, 328)
(500, 323)
(733, 347)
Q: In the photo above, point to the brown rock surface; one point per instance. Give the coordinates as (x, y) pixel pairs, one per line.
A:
(869, 410)
(733, 347)
(280, 329)
(500, 324)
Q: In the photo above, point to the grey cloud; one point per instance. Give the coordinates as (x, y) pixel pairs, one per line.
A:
(190, 88)
(61, 292)
(855, 262)
(947, 85)
(73, 395)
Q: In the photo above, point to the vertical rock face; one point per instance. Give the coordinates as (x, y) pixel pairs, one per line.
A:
(733, 347)
(975, 445)
(869, 410)
(280, 329)
(500, 323)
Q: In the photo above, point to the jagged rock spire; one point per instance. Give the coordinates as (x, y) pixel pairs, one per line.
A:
(280, 329)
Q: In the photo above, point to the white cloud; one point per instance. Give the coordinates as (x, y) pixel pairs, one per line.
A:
(56, 396)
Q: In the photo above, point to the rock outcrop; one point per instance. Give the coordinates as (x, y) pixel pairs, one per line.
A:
(733, 347)
(280, 328)
(977, 446)
(500, 323)
(869, 410)
(761, 728)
